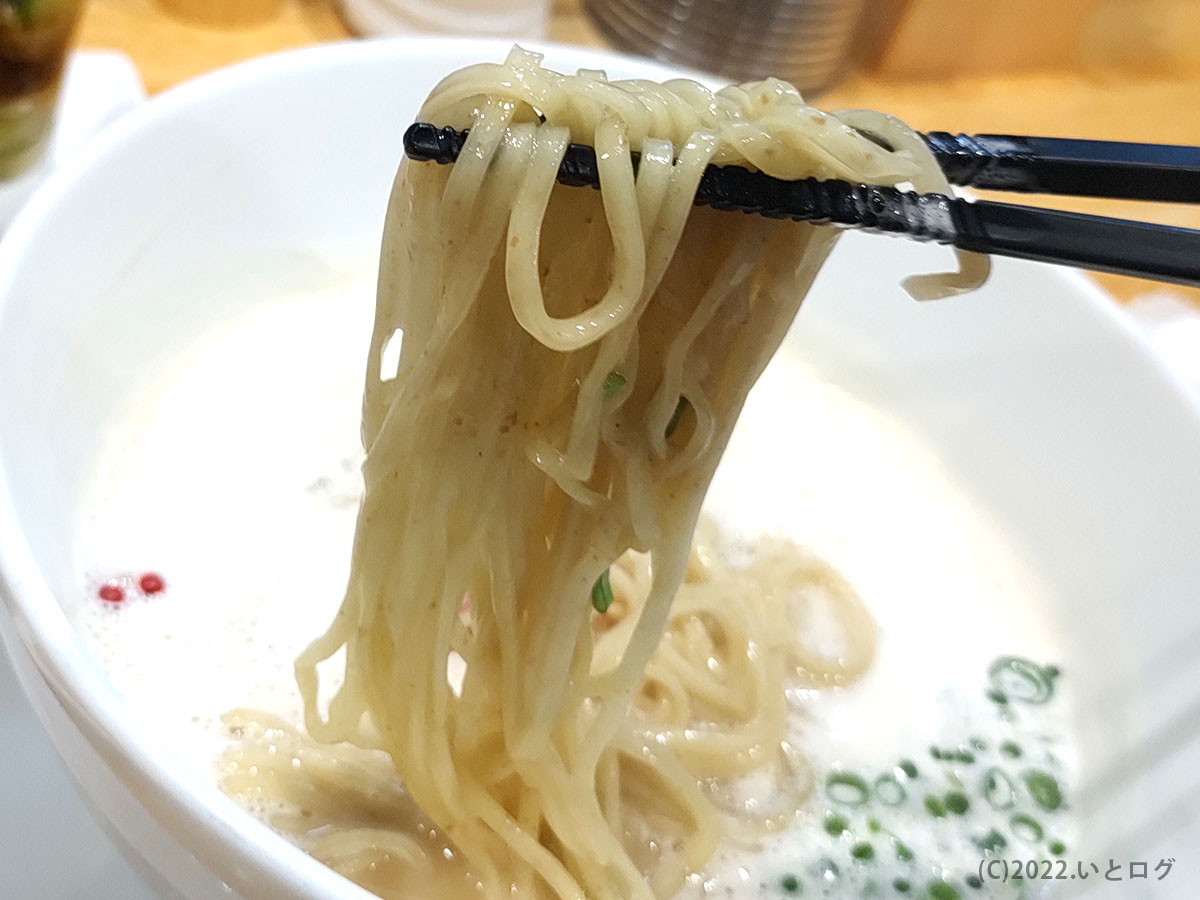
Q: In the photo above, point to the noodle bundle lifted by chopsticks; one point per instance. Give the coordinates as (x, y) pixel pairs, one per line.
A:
(572, 363)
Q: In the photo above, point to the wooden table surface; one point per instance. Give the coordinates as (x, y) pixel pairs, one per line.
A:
(1129, 103)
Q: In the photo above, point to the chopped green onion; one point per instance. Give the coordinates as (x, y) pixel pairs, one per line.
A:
(998, 789)
(903, 853)
(847, 789)
(957, 802)
(602, 595)
(835, 825)
(1010, 749)
(613, 384)
(790, 883)
(863, 852)
(1058, 848)
(936, 807)
(940, 890)
(992, 842)
(954, 754)
(908, 768)
(973, 881)
(1026, 827)
(1044, 789)
(1020, 679)
(901, 885)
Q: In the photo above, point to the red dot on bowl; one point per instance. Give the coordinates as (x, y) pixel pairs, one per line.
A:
(151, 583)
(112, 593)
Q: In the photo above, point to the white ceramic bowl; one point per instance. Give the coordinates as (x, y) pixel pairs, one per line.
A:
(1034, 393)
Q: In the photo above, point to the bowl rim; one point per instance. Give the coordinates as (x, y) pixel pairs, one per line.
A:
(240, 850)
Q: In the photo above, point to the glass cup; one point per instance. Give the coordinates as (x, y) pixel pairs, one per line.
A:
(35, 36)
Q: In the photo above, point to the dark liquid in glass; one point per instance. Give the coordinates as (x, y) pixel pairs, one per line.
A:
(35, 36)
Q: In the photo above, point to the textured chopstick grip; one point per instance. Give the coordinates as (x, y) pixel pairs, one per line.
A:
(1016, 163)
(870, 207)
(1109, 245)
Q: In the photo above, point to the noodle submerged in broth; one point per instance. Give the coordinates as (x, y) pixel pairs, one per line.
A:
(711, 702)
(571, 365)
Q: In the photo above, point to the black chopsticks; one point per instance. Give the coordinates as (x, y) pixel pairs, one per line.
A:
(1050, 165)
(1080, 168)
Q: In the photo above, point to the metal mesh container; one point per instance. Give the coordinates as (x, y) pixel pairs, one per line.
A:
(806, 42)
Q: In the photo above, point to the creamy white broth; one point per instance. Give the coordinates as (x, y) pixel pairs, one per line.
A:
(235, 478)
